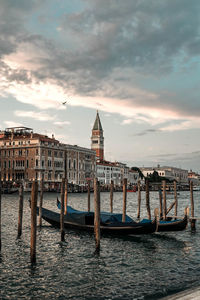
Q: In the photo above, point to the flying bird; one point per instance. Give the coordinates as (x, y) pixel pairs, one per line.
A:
(64, 102)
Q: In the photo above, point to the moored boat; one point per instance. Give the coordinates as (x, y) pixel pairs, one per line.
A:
(110, 223)
(171, 224)
(132, 190)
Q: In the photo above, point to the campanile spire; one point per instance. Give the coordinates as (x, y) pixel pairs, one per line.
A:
(97, 138)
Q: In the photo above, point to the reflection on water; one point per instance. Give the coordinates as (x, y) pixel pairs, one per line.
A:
(133, 267)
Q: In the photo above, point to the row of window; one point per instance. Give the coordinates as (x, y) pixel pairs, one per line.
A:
(17, 163)
(22, 175)
(15, 152)
(57, 164)
(14, 143)
(21, 152)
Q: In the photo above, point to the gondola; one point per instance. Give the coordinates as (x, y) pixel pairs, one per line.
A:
(173, 225)
(110, 223)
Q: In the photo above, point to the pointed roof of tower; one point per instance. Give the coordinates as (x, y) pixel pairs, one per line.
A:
(97, 123)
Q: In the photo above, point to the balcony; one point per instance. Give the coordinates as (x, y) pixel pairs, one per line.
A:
(18, 168)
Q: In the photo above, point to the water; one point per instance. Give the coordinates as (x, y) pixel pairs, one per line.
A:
(136, 267)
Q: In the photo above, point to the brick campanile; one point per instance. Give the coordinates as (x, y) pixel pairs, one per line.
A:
(97, 138)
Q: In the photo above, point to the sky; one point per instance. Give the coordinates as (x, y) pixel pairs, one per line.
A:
(136, 62)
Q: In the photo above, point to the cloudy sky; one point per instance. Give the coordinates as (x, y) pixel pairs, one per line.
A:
(137, 62)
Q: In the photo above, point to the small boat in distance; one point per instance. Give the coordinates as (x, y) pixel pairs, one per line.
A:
(132, 190)
(196, 188)
(110, 223)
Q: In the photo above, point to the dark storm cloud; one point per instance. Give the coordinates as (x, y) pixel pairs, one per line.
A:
(13, 15)
(143, 34)
(104, 40)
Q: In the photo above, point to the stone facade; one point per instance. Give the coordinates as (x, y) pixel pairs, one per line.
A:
(26, 156)
(107, 171)
(172, 173)
(80, 164)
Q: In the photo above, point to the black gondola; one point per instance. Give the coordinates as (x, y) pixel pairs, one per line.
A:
(173, 225)
(110, 223)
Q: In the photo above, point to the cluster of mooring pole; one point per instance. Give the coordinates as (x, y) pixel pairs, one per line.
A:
(163, 212)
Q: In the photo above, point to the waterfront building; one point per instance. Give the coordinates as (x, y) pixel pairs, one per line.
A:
(26, 156)
(80, 164)
(107, 171)
(194, 177)
(133, 177)
(124, 170)
(97, 139)
(172, 173)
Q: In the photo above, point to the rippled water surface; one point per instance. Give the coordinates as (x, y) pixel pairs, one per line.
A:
(135, 267)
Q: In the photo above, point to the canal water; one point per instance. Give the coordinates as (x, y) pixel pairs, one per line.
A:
(135, 267)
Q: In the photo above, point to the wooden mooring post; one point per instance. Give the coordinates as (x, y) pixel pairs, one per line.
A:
(20, 216)
(175, 198)
(139, 199)
(193, 221)
(34, 194)
(88, 193)
(0, 216)
(66, 196)
(124, 199)
(148, 200)
(97, 215)
(111, 196)
(62, 231)
(41, 202)
(164, 200)
(160, 201)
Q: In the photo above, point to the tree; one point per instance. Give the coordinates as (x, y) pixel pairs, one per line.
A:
(139, 171)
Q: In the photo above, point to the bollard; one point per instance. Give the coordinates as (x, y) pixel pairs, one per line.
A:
(111, 196)
(62, 232)
(66, 195)
(139, 199)
(34, 194)
(97, 214)
(20, 216)
(41, 202)
(147, 200)
(124, 199)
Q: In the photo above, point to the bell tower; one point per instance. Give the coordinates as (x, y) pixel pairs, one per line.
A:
(97, 138)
